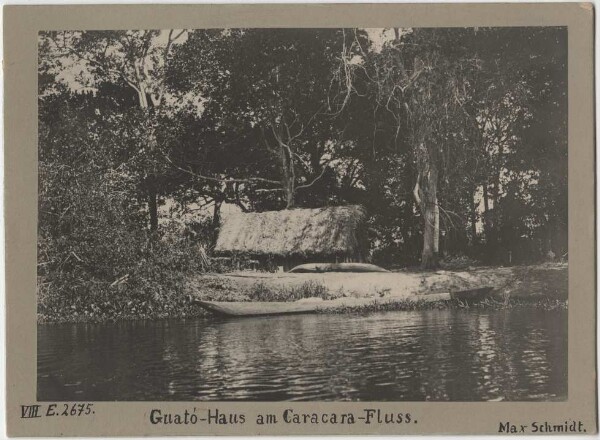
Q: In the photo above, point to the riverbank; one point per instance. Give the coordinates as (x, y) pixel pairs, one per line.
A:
(544, 286)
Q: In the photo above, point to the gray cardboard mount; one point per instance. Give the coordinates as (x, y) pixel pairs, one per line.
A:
(21, 26)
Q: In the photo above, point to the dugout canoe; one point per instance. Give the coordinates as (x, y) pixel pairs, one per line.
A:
(336, 267)
(314, 305)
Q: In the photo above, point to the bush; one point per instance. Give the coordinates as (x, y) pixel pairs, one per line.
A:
(97, 261)
(150, 286)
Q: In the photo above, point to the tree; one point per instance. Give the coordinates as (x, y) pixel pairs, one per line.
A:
(420, 85)
(520, 87)
(457, 107)
(275, 84)
(137, 59)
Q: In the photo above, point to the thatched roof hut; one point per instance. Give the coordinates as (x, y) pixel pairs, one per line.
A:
(322, 234)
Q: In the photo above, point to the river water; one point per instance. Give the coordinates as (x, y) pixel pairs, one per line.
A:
(437, 355)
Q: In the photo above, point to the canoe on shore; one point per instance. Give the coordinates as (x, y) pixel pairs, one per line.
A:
(314, 305)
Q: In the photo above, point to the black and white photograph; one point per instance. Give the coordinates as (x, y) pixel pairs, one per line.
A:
(303, 214)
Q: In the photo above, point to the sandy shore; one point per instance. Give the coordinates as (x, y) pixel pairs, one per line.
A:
(546, 280)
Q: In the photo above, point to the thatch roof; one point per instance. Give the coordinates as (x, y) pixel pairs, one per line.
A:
(326, 231)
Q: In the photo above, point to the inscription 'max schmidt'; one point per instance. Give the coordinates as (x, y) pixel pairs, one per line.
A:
(566, 427)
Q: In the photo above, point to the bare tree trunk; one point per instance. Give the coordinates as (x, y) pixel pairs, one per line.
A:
(152, 204)
(486, 213)
(431, 233)
(216, 220)
(216, 213)
(151, 190)
(489, 224)
(142, 99)
(473, 218)
(288, 176)
(494, 214)
(289, 194)
(426, 196)
(493, 236)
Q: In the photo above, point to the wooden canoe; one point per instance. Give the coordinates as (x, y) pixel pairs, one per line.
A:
(336, 267)
(263, 308)
(258, 308)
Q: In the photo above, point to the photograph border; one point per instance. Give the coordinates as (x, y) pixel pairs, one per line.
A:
(21, 27)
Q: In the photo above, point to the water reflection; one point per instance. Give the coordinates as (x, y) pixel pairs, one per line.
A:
(403, 356)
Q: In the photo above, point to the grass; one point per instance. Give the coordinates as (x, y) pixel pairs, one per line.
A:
(487, 304)
(261, 291)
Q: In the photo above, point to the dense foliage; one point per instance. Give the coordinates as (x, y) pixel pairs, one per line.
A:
(455, 141)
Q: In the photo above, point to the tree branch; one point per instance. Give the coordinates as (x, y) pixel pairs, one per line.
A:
(308, 185)
(226, 180)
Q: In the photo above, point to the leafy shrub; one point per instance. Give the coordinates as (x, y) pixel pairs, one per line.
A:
(96, 259)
